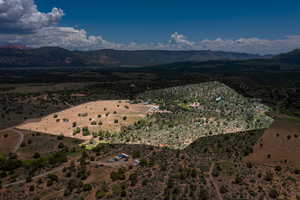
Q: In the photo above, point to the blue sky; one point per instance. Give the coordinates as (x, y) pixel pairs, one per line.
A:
(145, 21)
(260, 27)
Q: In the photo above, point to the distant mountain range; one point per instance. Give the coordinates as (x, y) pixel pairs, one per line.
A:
(283, 62)
(292, 58)
(20, 56)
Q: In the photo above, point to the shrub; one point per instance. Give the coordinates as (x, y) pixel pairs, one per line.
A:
(119, 175)
(297, 171)
(74, 124)
(87, 187)
(223, 189)
(76, 131)
(133, 179)
(36, 155)
(49, 183)
(52, 177)
(238, 180)
(278, 168)
(143, 163)
(273, 194)
(144, 182)
(268, 177)
(28, 179)
(123, 193)
(100, 194)
(85, 131)
(61, 145)
(215, 172)
(116, 189)
(203, 194)
(31, 188)
(60, 137)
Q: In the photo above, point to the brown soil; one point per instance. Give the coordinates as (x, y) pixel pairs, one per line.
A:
(280, 145)
(112, 118)
(43, 144)
(8, 141)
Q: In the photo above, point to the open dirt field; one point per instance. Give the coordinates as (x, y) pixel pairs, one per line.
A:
(279, 145)
(9, 139)
(44, 144)
(95, 116)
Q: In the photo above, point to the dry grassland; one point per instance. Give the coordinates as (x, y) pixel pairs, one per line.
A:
(280, 145)
(108, 115)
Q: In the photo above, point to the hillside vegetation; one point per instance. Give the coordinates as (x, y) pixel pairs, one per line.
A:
(189, 112)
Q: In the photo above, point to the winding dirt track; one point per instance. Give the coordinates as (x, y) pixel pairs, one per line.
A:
(211, 178)
(35, 177)
(18, 145)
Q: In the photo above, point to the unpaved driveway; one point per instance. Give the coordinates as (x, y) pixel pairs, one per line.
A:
(211, 178)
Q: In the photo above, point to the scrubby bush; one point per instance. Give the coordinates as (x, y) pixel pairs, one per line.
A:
(87, 187)
(119, 175)
(36, 155)
(100, 194)
(85, 131)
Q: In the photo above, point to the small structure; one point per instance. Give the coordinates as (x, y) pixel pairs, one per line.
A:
(136, 162)
(218, 99)
(122, 156)
(146, 103)
(195, 105)
(154, 108)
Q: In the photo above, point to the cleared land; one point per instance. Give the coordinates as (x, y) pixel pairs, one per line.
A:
(173, 117)
(280, 145)
(44, 144)
(9, 140)
(82, 121)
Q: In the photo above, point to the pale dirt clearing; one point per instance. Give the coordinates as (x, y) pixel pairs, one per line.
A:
(108, 115)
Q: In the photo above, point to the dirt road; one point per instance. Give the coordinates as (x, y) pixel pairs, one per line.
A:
(211, 178)
(35, 177)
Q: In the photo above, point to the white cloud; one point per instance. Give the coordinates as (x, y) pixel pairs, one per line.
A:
(18, 16)
(22, 23)
(252, 45)
(179, 41)
(66, 37)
